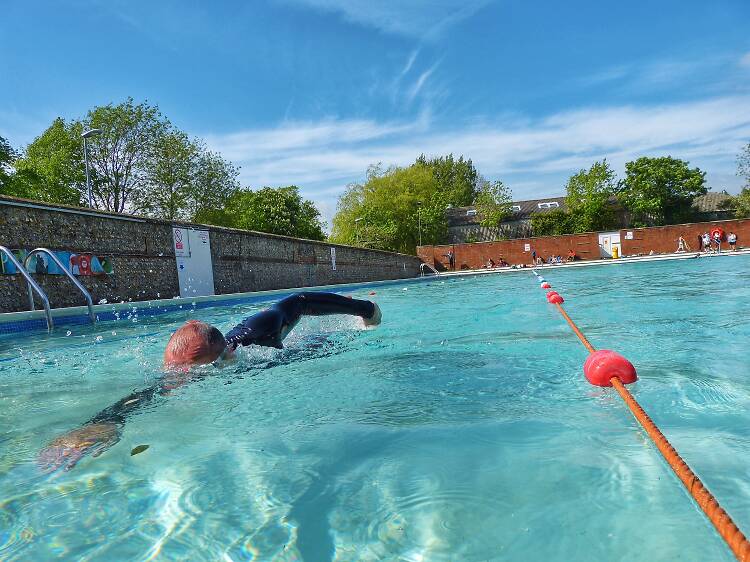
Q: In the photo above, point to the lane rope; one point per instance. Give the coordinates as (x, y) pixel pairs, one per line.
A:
(606, 366)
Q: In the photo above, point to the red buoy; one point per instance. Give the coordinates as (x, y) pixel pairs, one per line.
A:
(546, 285)
(371, 293)
(604, 364)
(554, 297)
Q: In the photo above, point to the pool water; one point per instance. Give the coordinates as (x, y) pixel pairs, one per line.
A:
(461, 429)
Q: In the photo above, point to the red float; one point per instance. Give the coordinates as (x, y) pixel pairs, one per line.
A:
(554, 297)
(604, 364)
(546, 285)
(371, 293)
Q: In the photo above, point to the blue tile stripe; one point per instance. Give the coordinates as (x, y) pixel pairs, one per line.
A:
(150, 309)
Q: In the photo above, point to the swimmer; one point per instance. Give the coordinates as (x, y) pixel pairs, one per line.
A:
(199, 343)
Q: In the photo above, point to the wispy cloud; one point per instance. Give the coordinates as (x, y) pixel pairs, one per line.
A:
(323, 158)
(415, 18)
(420, 82)
(745, 60)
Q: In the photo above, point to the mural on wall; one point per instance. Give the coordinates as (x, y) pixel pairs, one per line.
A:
(77, 264)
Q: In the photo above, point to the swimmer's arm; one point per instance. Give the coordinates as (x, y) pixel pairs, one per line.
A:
(100, 432)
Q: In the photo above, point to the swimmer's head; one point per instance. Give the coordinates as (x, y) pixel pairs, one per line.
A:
(194, 343)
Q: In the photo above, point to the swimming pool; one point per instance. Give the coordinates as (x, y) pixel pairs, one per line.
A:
(461, 429)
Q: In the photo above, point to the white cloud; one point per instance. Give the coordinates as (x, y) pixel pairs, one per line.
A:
(414, 18)
(420, 82)
(322, 158)
(745, 60)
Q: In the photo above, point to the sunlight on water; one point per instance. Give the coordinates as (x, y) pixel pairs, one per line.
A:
(461, 429)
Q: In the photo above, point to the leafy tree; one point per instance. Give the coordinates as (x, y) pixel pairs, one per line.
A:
(214, 181)
(122, 154)
(52, 168)
(7, 156)
(169, 177)
(493, 202)
(743, 164)
(552, 223)
(458, 180)
(275, 210)
(661, 190)
(741, 204)
(589, 194)
(386, 211)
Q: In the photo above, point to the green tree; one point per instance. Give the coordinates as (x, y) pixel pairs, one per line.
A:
(493, 202)
(121, 156)
(589, 194)
(214, 181)
(8, 155)
(660, 191)
(169, 177)
(52, 168)
(458, 180)
(741, 202)
(552, 223)
(275, 210)
(386, 211)
(743, 164)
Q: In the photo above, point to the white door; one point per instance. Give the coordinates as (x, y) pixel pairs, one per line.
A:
(192, 250)
(608, 241)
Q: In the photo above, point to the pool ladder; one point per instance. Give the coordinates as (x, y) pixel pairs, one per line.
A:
(423, 266)
(34, 287)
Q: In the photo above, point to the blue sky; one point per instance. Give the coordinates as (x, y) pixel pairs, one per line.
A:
(312, 91)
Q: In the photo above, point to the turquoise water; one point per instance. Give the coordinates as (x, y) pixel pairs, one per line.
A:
(461, 429)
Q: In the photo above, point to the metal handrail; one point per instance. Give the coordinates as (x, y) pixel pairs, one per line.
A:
(53, 257)
(423, 265)
(32, 285)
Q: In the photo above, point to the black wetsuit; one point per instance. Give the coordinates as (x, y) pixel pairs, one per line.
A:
(267, 328)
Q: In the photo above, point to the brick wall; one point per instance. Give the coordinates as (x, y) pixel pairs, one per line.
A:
(586, 246)
(144, 260)
(663, 239)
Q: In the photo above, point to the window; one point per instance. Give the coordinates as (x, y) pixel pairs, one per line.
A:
(548, 205)
(471, 213)
(516, 208)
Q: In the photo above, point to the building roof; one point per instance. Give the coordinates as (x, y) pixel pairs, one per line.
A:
(711, 202)
(464, 216)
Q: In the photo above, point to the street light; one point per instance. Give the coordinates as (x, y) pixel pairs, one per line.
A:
(419, 218)
(85, 135)
(356, 228)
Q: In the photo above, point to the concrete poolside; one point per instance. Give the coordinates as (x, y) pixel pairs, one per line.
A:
(588, 263)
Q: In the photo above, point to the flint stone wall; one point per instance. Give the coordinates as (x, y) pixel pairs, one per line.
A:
(144, 261)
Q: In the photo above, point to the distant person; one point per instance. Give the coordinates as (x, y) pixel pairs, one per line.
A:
(682, 245)
(571, 255)
(732, 239)
(717, 240)
(490, 264)
(539, 260)
(197, 343)
(706, 240)
(451, 260)
(533, 258)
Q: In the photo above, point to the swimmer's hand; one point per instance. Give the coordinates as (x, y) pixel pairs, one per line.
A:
(66, 450)
(376, 317)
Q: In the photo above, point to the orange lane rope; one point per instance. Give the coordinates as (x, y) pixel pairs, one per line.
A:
(720, 519)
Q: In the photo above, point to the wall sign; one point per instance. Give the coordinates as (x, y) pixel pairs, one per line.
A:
(333, 259)
(629, 235)
(195, 272)
(527, 247)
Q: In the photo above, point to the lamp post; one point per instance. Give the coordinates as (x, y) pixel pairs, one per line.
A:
(86, 135)
(356, 228)
(419, 218)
